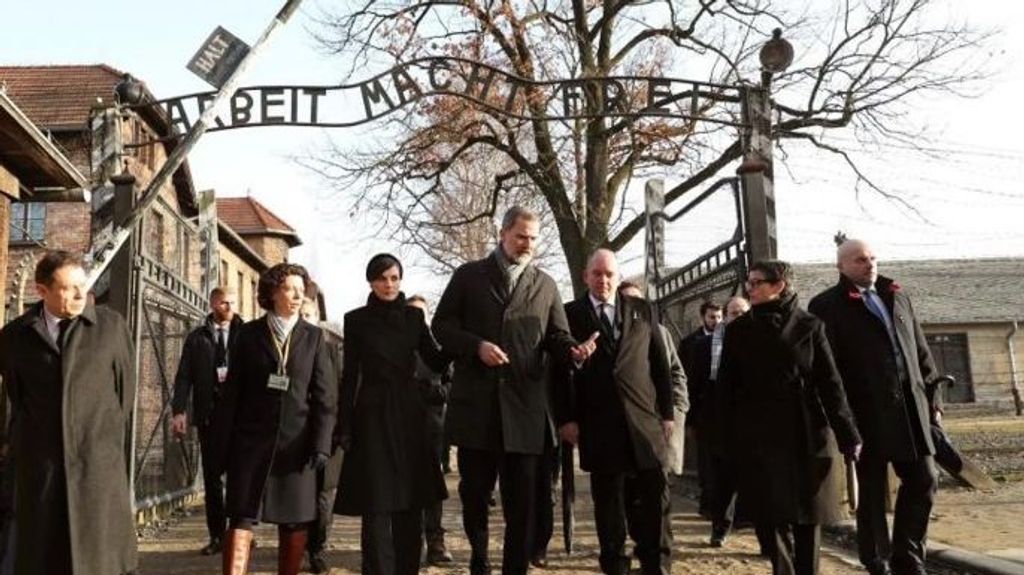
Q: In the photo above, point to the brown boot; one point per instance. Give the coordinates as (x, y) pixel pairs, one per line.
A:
(291, 547)
(236, 551)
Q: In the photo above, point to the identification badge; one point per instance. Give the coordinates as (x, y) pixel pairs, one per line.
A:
(222, 374)
(278, 382)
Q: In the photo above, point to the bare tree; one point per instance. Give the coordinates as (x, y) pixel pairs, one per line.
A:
(861, 67)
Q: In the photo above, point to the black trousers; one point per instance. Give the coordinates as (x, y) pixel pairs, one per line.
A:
(636, 503)
(391, 542)
(518, 471)
(721, 487)
(794, 549)
(905, 553)
(213, 485)
(544, 512)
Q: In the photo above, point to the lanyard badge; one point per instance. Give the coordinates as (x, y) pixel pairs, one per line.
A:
(279, 380)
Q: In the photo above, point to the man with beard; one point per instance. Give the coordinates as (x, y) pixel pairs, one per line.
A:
(885, 363)
(497, 318)
(202, 370)
(695, 352)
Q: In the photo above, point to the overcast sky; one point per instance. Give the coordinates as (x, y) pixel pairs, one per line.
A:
(969, 193)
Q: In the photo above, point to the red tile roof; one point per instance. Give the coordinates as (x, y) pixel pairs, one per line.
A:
(62, 96)
(59, 96)
(247, 216)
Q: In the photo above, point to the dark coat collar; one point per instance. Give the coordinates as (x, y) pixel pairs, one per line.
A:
(884, 286)
(37, 323)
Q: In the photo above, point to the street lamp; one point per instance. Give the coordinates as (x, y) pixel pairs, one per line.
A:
(776, 55)
(129, 91)
(756, 169)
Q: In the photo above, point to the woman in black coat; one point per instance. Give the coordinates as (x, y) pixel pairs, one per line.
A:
(391, 472)
(278, 413)
(780, 394)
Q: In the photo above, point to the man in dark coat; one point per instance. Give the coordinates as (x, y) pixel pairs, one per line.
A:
(496, 318)
(882, 355)
(782, 395)
(69, 371)
(326, 478)
(202, 369)
(619, 411)
(695, 352)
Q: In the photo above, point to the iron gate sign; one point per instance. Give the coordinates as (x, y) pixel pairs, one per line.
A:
(491, 88)
(218, 57)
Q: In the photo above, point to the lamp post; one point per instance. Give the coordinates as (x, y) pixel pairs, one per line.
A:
(756, 176)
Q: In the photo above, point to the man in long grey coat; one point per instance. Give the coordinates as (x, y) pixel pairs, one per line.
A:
(70, 377)
(497, 318)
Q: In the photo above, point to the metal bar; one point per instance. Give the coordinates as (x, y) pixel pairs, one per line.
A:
(105, 248)
(149, 502)
(163, 380)
(703, 196)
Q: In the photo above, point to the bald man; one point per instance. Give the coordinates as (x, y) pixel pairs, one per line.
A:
(882, 355)
(618, 410)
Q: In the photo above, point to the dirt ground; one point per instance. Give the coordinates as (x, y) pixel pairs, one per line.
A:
(989, 522)
(173, 549)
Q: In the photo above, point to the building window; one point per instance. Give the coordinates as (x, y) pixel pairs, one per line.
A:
(28, 222)
(255, 303)
(952, 357)
(223, 279)
(241, 292)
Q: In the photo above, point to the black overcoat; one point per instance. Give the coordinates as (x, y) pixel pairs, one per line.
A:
(390, 465)
(621, 395)
(503, 408)
(782, 395)
(894, 417)
(271, 435)
(196, 377)
(695, 353)
(71, 431)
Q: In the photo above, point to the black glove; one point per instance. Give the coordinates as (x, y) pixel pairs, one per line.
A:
(318, 461)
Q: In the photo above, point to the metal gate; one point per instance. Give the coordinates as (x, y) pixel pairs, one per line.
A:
(159, 282)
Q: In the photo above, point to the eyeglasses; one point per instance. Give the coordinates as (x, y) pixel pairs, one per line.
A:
(756, 282)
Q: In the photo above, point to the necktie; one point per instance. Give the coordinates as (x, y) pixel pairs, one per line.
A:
(222, 348)
(871, 301)
(606, 323)
(62, 326)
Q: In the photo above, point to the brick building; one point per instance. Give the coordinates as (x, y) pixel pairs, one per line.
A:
(158, 281)
(258, 239)
(31, 168)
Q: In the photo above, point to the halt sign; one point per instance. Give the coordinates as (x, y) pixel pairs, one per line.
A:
(218, 57)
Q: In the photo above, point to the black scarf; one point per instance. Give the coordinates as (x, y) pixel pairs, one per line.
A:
(776, 312)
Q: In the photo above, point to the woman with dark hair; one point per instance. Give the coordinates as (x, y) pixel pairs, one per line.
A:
(780, 394)
(391, 472)
(278, 411)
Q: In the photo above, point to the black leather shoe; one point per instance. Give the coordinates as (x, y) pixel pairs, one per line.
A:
(214, 547)
(317, 563)
(479, 567)
(540, 561)
(437, 553)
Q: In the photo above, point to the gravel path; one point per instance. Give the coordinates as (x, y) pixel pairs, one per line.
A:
(173, 548)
